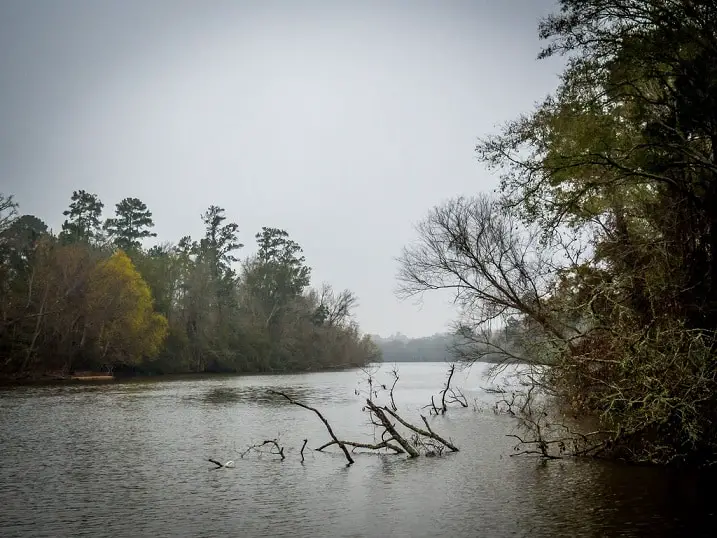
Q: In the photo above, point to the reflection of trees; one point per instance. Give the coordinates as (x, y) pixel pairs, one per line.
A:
(602, 499)
(258, 394)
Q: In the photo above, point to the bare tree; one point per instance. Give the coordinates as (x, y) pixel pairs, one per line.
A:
(8, 211)
(496, 269)
(336, 307)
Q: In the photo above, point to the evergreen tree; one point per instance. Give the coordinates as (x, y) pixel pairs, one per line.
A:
(131, 225)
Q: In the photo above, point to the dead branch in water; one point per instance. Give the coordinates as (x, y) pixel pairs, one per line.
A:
(449, 395)
(448, 385)
(545, 438)
(378, 412)
(433, 407)
(378, 446)
(273, 442)
(426, 441)
(453, 397)
(394, 372)
(428, 432)
(326, 422)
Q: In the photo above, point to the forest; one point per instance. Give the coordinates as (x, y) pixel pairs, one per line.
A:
(90, 298)
(450, 347)
(600, 245)
(400, 348)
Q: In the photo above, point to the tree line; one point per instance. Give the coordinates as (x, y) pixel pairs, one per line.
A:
(448, 347)
(599, 250)
(92, 298)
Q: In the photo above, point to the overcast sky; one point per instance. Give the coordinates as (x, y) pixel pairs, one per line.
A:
(342, 122)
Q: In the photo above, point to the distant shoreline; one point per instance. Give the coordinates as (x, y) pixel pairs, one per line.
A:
(101, 377)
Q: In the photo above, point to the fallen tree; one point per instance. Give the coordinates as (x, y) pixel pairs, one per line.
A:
(422, 442)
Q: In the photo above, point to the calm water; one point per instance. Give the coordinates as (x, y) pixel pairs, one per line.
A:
(129, 459)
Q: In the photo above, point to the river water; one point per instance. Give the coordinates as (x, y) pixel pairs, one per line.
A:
(130, 459)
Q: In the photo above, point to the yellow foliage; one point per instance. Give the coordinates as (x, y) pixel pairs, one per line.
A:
(119, 307)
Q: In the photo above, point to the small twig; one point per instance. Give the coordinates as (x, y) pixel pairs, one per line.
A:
(395, 380)
(302, 450)
(279, 449)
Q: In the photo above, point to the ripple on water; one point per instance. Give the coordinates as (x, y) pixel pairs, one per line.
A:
(129, 459)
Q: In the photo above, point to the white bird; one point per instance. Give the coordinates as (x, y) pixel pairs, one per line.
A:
(219, 465)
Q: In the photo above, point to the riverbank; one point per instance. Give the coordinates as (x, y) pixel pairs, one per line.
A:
(46, 378)
(52, 378)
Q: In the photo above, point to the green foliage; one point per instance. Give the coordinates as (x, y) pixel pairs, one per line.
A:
(604, 243)
(220, 241)
(120, 317)
(277, 274)
(70, 304)
(84, 216)
(131, 224)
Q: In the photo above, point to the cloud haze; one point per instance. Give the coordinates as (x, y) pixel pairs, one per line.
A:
(341, 122)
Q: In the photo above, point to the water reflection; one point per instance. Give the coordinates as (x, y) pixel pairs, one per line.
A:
(129, 459)
(261, 395)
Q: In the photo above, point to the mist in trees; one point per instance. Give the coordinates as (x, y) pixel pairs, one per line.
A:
(600, 247)
(498, 345)
(92, 298)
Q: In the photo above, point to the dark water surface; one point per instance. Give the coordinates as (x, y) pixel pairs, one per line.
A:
(129, 459)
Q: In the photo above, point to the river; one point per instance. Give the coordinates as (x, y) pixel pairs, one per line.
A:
(130, 459)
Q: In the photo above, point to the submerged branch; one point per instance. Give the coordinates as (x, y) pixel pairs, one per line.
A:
(326, 422)
(379, 413)
(273, 442)
(426, 433)
(377, 446)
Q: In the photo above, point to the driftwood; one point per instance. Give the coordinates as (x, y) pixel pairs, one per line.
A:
(272, 442)
(380, 416)
(326, 422)
(449, 395)
(378, 412)
(428, 432)
(423, 440)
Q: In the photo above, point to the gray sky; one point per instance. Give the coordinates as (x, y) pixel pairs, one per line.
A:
(342, 122)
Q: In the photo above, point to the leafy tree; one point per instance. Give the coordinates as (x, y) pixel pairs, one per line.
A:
(220, 241)
(278, 271)
(72, 305)
(120, 313)
(612, 268)
(131, 225)
(19, 240)
(84, 216)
